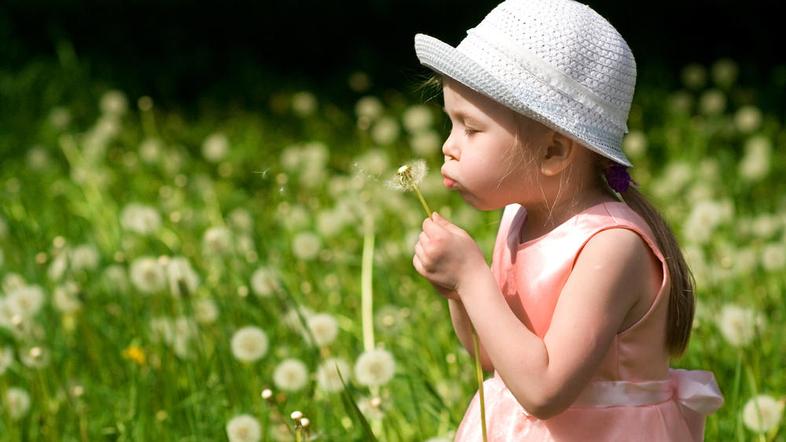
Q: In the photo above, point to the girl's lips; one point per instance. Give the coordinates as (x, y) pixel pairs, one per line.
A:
(448, 182)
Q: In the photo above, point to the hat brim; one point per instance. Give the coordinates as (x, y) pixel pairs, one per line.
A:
(449, 61)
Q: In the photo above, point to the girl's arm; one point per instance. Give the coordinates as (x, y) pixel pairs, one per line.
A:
(611, 274)
(547, 375)
(463, 329)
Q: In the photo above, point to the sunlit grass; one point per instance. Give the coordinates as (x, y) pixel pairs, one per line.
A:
(159, 273)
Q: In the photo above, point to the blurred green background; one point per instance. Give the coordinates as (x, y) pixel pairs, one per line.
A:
(195, 227)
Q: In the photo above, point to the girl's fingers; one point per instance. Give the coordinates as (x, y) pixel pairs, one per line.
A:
(418, 265)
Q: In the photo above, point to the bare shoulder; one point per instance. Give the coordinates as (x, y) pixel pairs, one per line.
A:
(621, 261)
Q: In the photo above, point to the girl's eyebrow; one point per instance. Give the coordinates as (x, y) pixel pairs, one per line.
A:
(459, 114)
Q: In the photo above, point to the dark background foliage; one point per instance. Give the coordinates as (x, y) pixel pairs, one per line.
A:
(179, 51)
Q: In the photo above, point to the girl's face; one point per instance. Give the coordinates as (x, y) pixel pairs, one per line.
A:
(484, 160)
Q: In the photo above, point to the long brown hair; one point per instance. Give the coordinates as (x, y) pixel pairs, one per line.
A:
(682, 282)
(681, 293)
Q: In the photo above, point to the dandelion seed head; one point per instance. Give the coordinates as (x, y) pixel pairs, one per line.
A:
(328, 374)
(244, 428)
(249, 344)
(290, 375)
(408, 176)
(375, 367)
(17, 402)
(762, 413)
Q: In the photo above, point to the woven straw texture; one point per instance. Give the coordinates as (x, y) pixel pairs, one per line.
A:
(556, 61)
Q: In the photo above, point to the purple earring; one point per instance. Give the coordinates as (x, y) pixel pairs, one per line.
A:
(618, 178)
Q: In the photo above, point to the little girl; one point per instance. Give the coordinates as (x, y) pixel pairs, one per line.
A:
(588, 295)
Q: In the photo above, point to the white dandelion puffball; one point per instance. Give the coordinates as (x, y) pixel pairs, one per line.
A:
(417, 118)
(369, 107)
(6, 359)
(17, 402)
(65, 297)
(306, 245)
(249, 344)
(756, 163)
(150, 150)
(385, 131)
(375, 367)
(426, 143)
(290, 375)
(635, 143)
(712, 102)
(241, 219)
(58, 266)
(747, 119)
(330, 222)
(217, 240)
(215, 147)
(114, 103)
(13, 281)
(34, 357)
(292, 318)
(37, 158)
(694, 76)
(371, 409)
(148, 275)
(724, 72)
(324, 328)
(25, 301)
(762, 413)
(375, 162)
(264, 281)
(773, 256)
(162, 329)
(59, 117)
(84, 257)
(328, 374)
(140, 219)
(116, 277)
(408, 176)
(304, 103)
(244, 428)
(205, 311)
(738, 324)
(676, 175)
(181, 276)
(704, 218)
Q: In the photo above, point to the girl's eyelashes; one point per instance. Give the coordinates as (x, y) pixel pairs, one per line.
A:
(469, 131)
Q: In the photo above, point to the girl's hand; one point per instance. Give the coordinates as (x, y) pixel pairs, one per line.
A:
(447, 293)
(445, 254)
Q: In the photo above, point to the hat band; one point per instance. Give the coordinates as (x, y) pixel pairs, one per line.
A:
(550, 75)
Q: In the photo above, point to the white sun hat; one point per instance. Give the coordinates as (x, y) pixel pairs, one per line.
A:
(556, 61)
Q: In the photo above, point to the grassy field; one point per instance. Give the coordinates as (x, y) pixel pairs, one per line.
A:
(173, 277)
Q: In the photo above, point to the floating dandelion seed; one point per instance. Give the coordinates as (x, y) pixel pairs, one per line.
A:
(407, 179)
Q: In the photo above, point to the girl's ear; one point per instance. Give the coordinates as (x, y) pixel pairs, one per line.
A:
(557, 154)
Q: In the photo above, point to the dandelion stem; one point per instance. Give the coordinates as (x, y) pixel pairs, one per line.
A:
(475, 340)
(422, 200)
(479, 374)
(366, 287)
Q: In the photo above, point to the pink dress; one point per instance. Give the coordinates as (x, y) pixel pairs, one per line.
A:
(634, 395)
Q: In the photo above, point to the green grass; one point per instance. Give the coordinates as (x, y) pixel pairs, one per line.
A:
(66, 185)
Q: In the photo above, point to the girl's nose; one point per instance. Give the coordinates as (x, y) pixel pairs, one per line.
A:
(449, 148)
